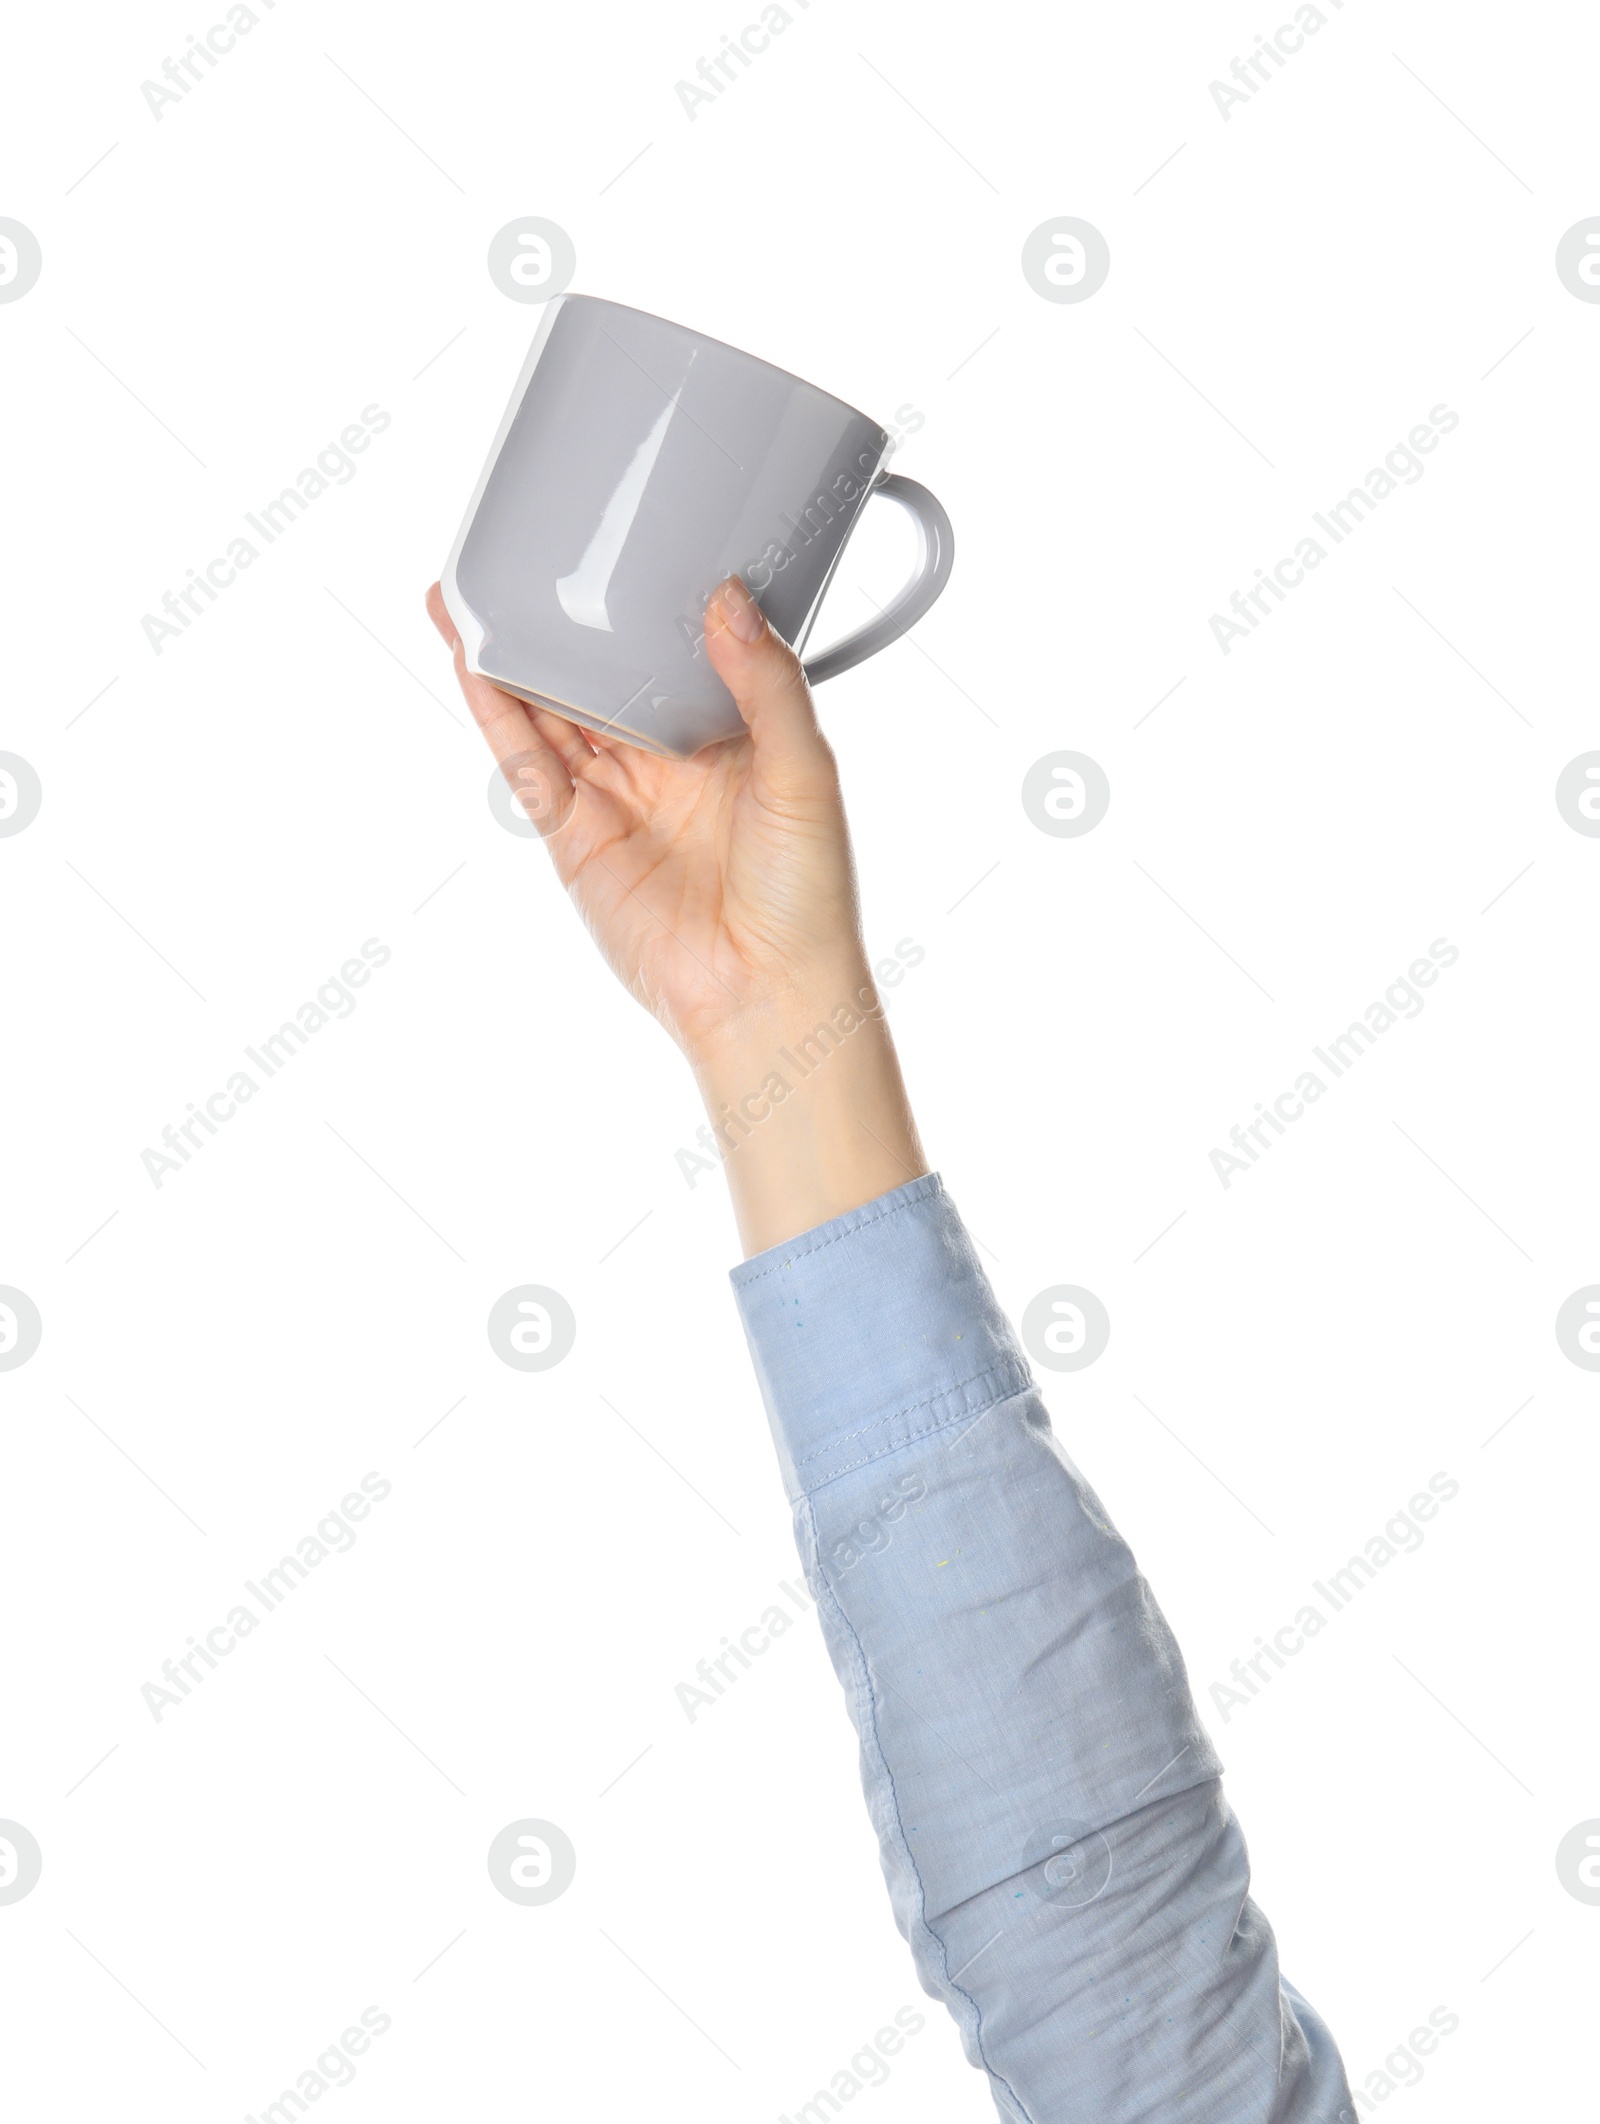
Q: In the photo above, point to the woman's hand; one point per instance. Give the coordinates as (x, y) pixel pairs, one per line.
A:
(717, 886)
(722, 891)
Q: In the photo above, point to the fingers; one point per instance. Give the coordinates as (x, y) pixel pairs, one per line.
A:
(570, 740)
(490, 707)
(536, 750)
(439, 613)
(764, 676)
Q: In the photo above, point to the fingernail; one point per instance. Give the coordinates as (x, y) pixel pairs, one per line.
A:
(744, 616)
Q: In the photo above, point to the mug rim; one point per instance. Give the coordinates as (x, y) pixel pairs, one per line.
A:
(605, 302)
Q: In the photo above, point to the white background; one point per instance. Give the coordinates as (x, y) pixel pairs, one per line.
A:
(222, 294)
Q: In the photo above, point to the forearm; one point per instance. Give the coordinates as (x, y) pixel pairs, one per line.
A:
(808, 1104)
(1048, 1807)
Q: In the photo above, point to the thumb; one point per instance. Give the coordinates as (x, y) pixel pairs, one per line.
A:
(768, 686)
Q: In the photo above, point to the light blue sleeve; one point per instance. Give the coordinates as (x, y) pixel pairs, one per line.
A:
(1049, 1810)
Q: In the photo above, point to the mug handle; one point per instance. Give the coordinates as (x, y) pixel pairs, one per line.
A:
(932, 572)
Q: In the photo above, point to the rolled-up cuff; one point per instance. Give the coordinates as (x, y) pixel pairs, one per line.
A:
(872, 1331)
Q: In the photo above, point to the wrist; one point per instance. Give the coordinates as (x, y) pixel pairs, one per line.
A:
(808, 1107)
(823, 996)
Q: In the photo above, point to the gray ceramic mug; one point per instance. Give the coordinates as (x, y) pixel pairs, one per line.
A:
(637, 466)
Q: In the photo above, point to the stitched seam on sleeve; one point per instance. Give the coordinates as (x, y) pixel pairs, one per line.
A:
(932, 1430)
(1008, 1369)
(743, 1283)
